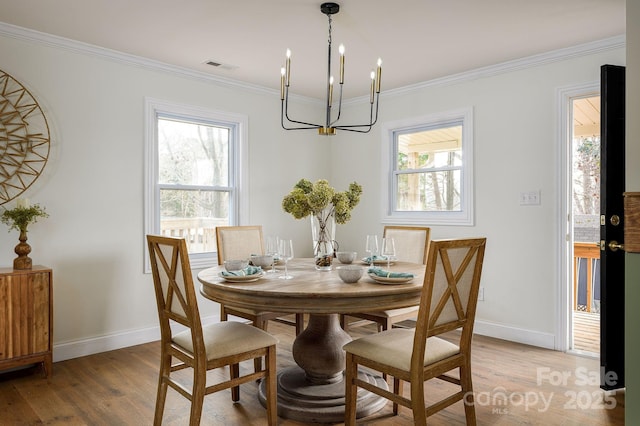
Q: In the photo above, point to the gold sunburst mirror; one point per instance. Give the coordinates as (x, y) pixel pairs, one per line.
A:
(24, 138)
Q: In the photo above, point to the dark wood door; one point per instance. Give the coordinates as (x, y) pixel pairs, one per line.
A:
(612, 226)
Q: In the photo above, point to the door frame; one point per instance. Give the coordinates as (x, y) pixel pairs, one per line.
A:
(564, 325)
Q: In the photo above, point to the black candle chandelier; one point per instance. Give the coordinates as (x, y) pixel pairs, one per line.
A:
(330, 126)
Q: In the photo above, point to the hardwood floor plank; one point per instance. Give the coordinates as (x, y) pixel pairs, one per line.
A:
(514, 385)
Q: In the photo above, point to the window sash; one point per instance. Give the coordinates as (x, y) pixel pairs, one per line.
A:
(237, 176)
(392, 131)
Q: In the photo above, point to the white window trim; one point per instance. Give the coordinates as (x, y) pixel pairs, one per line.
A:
(464, 217)
(239, 211)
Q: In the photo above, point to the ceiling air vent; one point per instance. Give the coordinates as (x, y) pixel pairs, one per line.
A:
(220, 65)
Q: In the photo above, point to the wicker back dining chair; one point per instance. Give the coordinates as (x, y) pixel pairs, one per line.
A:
(412, 245)
(201, 348)
(448, 303)
(240, 242)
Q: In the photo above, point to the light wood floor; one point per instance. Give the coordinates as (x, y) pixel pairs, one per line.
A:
(586, 331)
(118, 388)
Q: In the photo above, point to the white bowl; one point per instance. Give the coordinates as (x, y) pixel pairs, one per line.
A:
(262, 260)
(346, 256)
(350, 273)
(235, 264)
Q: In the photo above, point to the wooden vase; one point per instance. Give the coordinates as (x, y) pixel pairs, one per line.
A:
(23, 261)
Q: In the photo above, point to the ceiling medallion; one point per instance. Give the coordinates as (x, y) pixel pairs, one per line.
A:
(24, 138)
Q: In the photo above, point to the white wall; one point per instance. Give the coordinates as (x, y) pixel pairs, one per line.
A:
(92, 186)
(516, 149)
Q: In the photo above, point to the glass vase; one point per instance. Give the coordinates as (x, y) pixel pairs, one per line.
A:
(323, 232)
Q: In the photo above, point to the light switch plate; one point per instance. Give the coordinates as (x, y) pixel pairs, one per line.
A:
(530, 198)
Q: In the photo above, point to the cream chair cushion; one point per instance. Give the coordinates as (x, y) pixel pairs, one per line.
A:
(394, 348)
(227, 338)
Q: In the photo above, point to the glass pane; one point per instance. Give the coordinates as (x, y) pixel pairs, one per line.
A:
(435, 191)
(194, 215)
(430, 148)
(192, 154)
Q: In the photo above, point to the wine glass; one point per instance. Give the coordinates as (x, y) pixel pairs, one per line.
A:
(372, 247)
(286, 253)
(271, 249)
(388, 249)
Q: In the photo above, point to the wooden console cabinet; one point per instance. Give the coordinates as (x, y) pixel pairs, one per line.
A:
(26, 318)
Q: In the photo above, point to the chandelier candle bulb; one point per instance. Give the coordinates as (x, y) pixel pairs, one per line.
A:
(341, 50)
(288, 65)
(378, 75)
(330, 90)
(373, 86)
(282, 71)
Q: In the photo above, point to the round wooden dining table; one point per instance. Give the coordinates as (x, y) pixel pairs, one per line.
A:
(313, 390)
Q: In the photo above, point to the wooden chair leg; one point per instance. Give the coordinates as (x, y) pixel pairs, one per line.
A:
(223, 313)
(397, 389)
(271, 387)
(467, 390)
(382, 326)
(344, 324)
(351, 390)
(165, 368)
(417, 403)
(197, 397)
(234, 372)
(262, 325)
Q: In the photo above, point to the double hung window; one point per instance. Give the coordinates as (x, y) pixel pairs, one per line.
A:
(193, 175)
(430, 163)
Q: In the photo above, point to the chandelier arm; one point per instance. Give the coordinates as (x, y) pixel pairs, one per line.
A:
(284, 113)
(372, 120)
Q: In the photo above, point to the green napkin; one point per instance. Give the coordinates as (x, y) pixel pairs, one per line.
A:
(249, 270)
(388, 274)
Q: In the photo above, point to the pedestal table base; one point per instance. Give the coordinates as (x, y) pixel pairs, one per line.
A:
(300, 400)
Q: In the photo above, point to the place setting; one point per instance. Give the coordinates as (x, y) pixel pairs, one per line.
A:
(383, 276)
(386, 257)
(239, 271)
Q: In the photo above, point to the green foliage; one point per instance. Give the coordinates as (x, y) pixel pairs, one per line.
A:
(310, 198)
(20, 217)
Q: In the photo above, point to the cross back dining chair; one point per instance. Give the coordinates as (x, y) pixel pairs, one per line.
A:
(412, 245)
(240, 242)
(201, 348)
(448, 302)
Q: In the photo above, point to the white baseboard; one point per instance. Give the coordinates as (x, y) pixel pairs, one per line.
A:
(69, 350)
(94, 345)
(514, 334)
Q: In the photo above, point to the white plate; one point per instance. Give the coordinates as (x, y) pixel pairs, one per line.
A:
(391, 280)
(376, 262)
(241, 278)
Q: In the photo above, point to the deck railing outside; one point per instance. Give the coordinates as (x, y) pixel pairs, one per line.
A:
(199, 232)
(586, 277)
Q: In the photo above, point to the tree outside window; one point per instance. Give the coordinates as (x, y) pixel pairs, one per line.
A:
(194, 171)
(431, 169)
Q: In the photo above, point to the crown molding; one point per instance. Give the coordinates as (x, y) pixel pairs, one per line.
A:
(491, 70)
(75, 46)
(558, 55)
